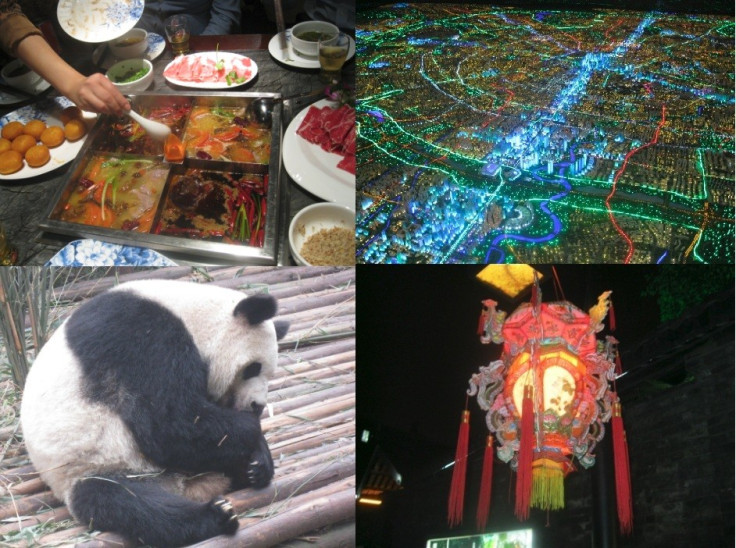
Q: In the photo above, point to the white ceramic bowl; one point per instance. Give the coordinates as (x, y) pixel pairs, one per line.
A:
(133, 43)
(314, 218)
(18, 75)
(310, 47)
(121, 69)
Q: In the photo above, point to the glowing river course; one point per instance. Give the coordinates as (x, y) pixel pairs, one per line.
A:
(512, 135)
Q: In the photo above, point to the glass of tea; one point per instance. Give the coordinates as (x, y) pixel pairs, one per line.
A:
(332, 55)
(177, 32)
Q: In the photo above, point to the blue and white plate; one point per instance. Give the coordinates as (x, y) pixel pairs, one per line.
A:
(156, 46)
(97, 253)
(98, 20)
(47, 110)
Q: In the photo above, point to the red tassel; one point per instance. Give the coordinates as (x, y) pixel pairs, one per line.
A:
(623, 479)
(618, 370)
(484, 498)
(526, 450)
(457, 488)
(611, 317)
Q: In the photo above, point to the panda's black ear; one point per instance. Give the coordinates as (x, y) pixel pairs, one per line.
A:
(256, 308)
(282, 326)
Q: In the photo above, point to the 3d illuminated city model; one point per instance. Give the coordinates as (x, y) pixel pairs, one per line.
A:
(499, 135)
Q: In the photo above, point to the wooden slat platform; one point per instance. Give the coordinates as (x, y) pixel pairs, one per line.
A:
(309, 424)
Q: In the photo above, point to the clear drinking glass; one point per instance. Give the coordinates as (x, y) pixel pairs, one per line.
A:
(332, 55)
(177, 32)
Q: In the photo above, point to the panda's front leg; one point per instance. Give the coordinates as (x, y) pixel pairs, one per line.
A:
(205, 437)
(259, 471)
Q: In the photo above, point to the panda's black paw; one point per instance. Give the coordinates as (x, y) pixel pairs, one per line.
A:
(259, 471)
(225, 516)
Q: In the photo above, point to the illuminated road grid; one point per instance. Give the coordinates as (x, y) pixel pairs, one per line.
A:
(494, 135)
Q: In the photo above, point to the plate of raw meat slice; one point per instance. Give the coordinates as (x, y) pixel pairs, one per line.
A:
(319, 151)
(211, 70)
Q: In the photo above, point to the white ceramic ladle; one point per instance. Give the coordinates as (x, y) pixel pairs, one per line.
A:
(157, 130)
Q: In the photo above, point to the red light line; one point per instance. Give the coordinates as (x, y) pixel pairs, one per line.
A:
(615, 180)
(509, 96)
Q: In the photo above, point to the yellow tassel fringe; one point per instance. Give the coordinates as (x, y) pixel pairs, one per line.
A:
(548, 489)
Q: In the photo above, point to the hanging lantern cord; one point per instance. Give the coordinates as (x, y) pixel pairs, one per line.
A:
(558, 285)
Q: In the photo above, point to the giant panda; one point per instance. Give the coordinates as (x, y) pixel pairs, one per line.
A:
(143, 408)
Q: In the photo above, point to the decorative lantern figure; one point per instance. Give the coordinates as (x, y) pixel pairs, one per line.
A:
(547, 398)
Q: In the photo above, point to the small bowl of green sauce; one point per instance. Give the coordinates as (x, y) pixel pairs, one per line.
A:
(305, 36)
(131, 75)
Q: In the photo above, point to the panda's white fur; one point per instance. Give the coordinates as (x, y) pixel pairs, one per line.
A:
(70, 435)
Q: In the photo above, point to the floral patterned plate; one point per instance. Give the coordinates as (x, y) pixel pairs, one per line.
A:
(96, 253)
(98, 20)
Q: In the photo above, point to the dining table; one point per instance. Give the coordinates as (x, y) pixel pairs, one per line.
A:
(25, 203)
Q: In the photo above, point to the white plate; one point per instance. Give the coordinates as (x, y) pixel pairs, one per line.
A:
(46, 110)
(217, 81)
(98, 20)
(156, 46)
(314, 169)
(10, 98)
(295, 59)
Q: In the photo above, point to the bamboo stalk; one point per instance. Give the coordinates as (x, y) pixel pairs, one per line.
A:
(35, 485)
(311, 397)
(318, 510)
(310, 441)
(329, 351)
(28, 505)
(22, 473)
(311, 412)
(55, 515)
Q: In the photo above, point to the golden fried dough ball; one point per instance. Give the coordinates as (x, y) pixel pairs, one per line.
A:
(52, 136)
(10, 162)
(70, 113)
(35, 128)
(12, 129)
(37, 155)
(4, 144)
(22, 143)
(74, 129)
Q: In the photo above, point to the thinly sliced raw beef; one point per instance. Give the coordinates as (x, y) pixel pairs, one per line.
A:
(333, 129)
(199, 69)
(348, 164)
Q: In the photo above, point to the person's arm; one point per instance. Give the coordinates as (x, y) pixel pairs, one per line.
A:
(94, 93)
(224, 17)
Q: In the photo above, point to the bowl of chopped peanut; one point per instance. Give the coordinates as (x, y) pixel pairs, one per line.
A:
(323, 234)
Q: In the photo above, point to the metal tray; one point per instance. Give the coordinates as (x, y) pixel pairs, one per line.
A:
(181, 247)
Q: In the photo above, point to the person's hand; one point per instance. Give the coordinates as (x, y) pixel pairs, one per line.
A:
(96, 93)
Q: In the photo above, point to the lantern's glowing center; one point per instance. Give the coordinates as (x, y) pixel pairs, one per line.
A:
(558, 389)
(553, 375)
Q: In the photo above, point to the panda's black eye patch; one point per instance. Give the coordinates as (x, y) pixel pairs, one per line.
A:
(252, 370)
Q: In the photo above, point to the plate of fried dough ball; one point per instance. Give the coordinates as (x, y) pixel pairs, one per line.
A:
(41, 137)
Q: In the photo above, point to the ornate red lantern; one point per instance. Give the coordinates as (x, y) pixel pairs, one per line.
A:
(546, 402)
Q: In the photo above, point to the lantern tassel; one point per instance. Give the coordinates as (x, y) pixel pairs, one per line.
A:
(457, 487)
(623, 479)
(484, 498)
(611, 317)
(548, 488)
(526, 451)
